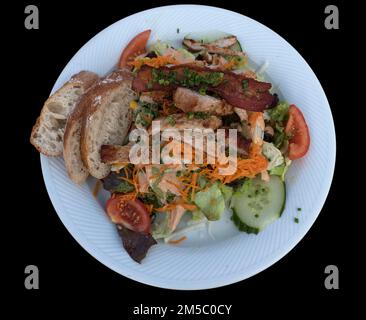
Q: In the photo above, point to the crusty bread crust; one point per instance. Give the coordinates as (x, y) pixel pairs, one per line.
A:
(47, 133)
(106, 120)
(75, 167)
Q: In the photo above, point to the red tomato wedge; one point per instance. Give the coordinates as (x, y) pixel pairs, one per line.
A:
(297, 128)
(136, 47)
(132, 214)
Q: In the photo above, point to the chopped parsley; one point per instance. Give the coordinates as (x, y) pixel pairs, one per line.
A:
(142, 121)
(202, 91)
(189, 78)
(163, 82)
(178, 30)
(170, 120)
(190, 115)
(145, 113)
(197, 115)
(299, 209)
(194, 79)
(164, 78)
(296, 220)
(245, 84)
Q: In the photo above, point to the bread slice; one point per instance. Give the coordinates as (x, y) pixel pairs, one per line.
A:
(47, 134)
(106, 120)
(75, 167)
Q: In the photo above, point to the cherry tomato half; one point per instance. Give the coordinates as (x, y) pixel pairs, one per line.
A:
(297, 128)
(132, 214)
(136, 47)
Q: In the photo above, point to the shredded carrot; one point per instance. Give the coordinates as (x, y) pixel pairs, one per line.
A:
(136, 181)
(194, 184)
(255, 149)
(253, 118)
(126, 196)
(178, 186)
(149, 207)
(154, 62)
(171, 206)
(188, 206)
(230, 64)
(125, 171)
(250, 167)
(187, 182)
(177, 241)
(126, 179)
(167, 207)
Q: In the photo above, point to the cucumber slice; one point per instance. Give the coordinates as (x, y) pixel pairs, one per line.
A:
(207, 36)
(258, 205)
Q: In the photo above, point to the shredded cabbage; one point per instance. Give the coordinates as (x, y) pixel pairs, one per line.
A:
(273, 154)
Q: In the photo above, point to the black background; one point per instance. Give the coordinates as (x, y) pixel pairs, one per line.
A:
(69, 276)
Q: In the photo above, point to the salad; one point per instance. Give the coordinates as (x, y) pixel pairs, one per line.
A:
(206, 83)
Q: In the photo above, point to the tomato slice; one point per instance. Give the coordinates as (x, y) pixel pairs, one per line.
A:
(132, 214)
(297, 128)
(135, 47)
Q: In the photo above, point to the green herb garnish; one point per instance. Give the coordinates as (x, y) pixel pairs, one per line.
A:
(202, 91)
(197, 115)
(194, 79)
(164, 78)
(145, 113)
(245, 84)
(170, 120)
(296, 220)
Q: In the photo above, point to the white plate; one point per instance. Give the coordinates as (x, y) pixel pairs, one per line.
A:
(232, 256)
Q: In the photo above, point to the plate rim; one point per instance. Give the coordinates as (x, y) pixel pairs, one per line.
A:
(265, 263)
